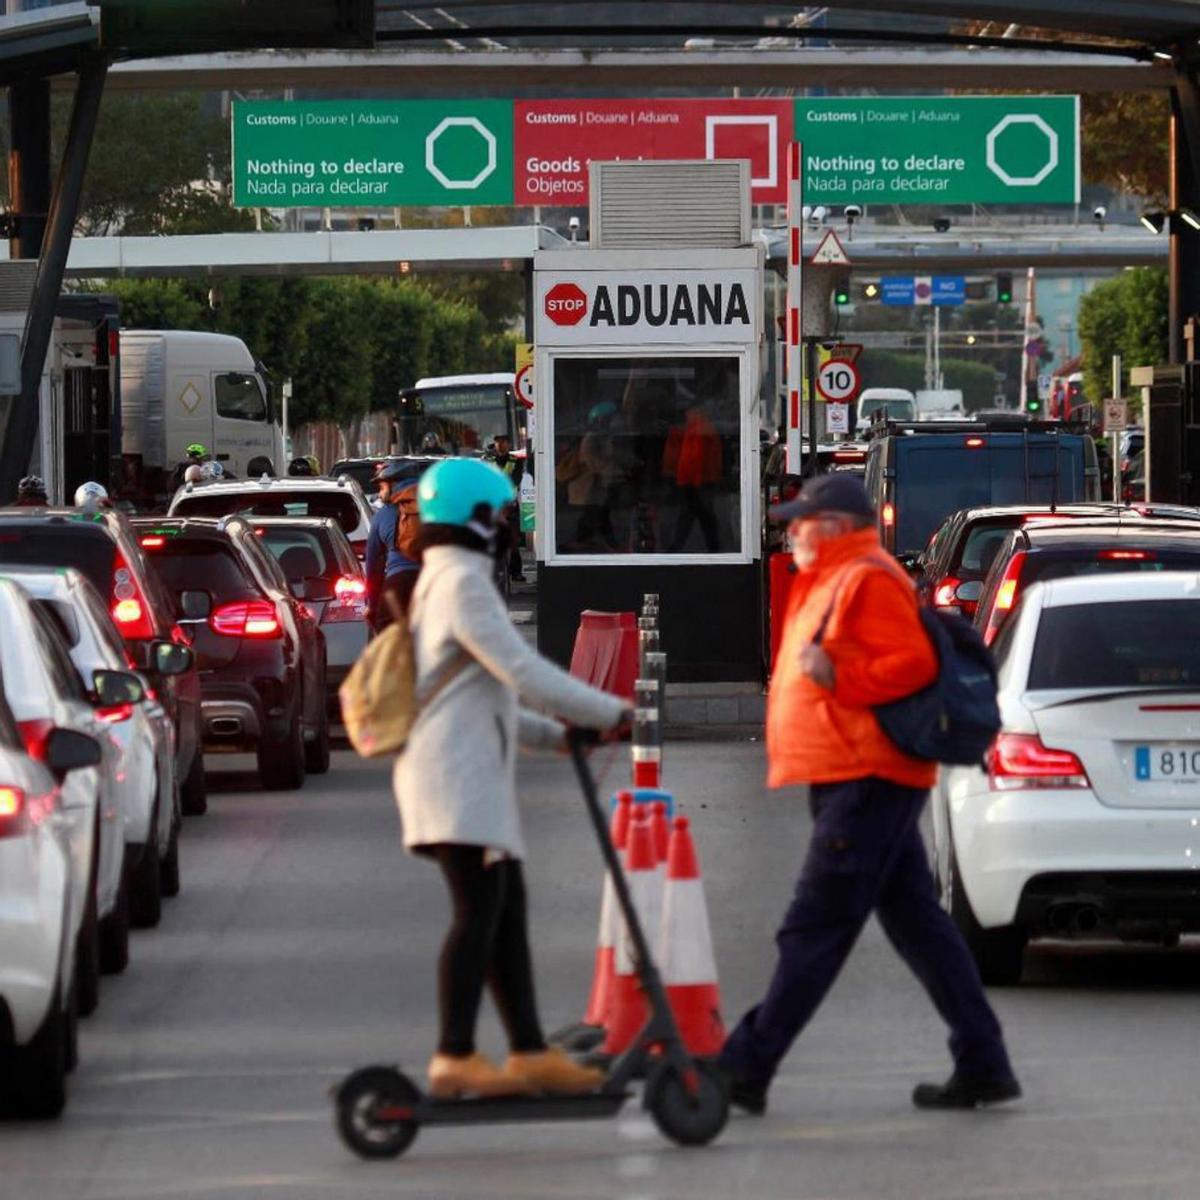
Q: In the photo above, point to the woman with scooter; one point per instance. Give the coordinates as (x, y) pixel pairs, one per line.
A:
(455, 783)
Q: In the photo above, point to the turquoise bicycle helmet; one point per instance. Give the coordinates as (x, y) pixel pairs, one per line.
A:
(451, 491)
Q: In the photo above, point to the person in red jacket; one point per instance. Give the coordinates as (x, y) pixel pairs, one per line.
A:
(852, 640)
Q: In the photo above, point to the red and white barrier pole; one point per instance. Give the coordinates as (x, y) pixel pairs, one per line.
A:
(794, 330)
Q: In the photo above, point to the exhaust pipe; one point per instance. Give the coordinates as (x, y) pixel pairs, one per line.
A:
(1087, 919)
(1059, 918)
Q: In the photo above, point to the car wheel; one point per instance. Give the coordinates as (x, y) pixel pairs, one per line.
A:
(193, 796)
(281, 764)
(168, 872)
(316, 752)
(145, 883)
(114, 933)
(999, 953)
(87, 953)
(37, 1080)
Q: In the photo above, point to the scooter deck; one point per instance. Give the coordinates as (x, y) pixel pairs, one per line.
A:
(500, 1110)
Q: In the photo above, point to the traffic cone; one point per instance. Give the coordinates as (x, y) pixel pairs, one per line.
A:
(685, 950)
(628, 1008)
(661, 829)
(587, 1034)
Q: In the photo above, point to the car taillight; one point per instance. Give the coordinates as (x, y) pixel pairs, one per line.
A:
(1019, 760)
(889, 514)
(350, 601)
(115, 713)
(1006, 596)
(975, 443)
(153, 541)
(1126, 555)
(944, 594)
(12, 811)
(359, 547)
(129, 609)
(34, 734)
(246, 618)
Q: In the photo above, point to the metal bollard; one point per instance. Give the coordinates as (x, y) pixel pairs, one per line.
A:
(656, 669)
(647, 644)
(647, 735)
(649, 601)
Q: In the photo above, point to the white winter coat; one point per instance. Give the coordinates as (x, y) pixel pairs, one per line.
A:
(456, 780)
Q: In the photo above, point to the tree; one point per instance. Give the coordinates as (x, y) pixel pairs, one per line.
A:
(1126, 315)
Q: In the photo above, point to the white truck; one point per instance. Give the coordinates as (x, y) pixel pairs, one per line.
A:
(180, 387)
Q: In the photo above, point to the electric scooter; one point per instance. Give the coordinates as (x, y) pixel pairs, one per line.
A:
(379, 1110)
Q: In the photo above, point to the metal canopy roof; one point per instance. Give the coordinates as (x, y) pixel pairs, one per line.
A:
(47, 41)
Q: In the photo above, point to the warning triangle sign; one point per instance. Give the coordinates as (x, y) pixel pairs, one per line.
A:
(831, 252)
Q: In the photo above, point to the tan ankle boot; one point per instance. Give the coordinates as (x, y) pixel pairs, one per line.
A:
(552, 1071)
(452, 1077)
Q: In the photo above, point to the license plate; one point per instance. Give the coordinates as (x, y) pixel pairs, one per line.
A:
(1167, 764)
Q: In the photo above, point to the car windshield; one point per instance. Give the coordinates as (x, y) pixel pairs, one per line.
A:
(983, 544)
(51, 544)
(301, 553)
(202, 565)
(1133, 643)
(896, 410)
(339, 505)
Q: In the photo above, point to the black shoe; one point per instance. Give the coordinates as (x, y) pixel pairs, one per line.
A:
(749, 1097)
(958, 1092)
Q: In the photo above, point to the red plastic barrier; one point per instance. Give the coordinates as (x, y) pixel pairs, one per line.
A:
(606, 651)
(781, 587)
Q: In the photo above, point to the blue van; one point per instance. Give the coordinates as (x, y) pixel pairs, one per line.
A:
(918, 474)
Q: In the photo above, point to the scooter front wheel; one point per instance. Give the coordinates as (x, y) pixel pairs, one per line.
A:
(374, 1112)
(690, 1110)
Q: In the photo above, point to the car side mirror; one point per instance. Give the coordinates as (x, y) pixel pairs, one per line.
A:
(69, 750)
(969, 592)
(195, 606)
(113, 688)
(172, 659)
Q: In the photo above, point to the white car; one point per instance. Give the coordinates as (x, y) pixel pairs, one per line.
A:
(143, 735)
(45, 692)
(1085, 820)
(37, 929)
(292, 496)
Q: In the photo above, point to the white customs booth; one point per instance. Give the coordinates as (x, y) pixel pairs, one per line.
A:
(647, 368)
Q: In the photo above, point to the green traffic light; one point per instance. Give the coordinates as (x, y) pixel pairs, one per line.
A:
(841, 296)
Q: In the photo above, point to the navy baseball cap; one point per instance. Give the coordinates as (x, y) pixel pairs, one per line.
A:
(393, 472)
(837, 492)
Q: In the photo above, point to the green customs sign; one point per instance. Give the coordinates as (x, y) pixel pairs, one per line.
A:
(340, 153)
(940, 150)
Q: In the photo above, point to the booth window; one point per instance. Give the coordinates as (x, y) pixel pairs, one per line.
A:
(647, 455)
(240, 397)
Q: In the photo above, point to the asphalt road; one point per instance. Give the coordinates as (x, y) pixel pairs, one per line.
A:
(303, 944)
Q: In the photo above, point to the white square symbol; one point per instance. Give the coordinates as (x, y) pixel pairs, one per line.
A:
(767, 120)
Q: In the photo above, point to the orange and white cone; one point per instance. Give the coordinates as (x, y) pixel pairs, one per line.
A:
(628, 1008)
(685, 949)
(610, 921)
(661, 828)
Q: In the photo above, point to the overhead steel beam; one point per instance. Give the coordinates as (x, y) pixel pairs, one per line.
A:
(451, 71)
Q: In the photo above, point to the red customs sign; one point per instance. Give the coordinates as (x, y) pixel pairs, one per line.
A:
(566, 304)
(554, 140)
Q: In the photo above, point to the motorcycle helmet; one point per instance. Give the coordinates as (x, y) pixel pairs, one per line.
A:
(464, 491)
(197, 450)
(31, 487)
(90, 495)
(213, 471)
(300, 467)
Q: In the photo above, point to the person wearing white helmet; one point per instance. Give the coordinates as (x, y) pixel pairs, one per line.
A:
(91, 495)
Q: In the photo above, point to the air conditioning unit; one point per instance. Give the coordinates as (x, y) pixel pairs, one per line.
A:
(657, 205)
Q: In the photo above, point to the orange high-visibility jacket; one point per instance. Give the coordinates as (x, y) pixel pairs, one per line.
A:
(879, 651)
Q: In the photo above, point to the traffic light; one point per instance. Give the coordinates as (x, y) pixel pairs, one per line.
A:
(1033, 405)
(1004, 292)
(841, 294)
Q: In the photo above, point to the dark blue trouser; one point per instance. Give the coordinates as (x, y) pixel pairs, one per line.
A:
(866, 854)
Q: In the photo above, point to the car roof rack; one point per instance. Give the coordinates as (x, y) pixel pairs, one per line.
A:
(1014, 424)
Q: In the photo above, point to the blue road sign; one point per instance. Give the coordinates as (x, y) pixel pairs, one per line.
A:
(905, 290)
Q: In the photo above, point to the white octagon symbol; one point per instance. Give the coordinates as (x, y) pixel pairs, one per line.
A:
(1022, 180)
(431, 152)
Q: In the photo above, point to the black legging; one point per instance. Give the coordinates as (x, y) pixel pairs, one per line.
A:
(487, 943)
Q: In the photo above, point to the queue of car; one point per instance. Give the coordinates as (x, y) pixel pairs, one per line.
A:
(128, 650)
(1082, 821)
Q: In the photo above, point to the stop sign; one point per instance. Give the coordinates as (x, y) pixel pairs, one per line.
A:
(566, 304)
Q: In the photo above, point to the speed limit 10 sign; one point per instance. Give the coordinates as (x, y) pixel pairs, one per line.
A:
(837, 380)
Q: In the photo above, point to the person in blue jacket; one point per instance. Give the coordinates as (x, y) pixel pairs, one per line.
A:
(389, 571)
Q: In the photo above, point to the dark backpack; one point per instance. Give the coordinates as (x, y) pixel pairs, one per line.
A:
(955, 719)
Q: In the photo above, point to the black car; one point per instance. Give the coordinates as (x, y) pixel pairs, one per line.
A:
(364, 470)
(1040, 552)
(960, 554)
(103, 546)
(260, 653)
(918, 474)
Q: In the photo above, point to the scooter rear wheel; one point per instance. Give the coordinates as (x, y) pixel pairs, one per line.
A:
(364, 1119)
(688, 1116)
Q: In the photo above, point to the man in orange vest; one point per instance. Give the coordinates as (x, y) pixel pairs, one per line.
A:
(853, 640)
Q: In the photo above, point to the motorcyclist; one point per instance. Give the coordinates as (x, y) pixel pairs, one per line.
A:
(92, 496)
(300, 468)
(391, 574)
(31, 492)
(455, 783)
(195, 455)
(514, 469)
